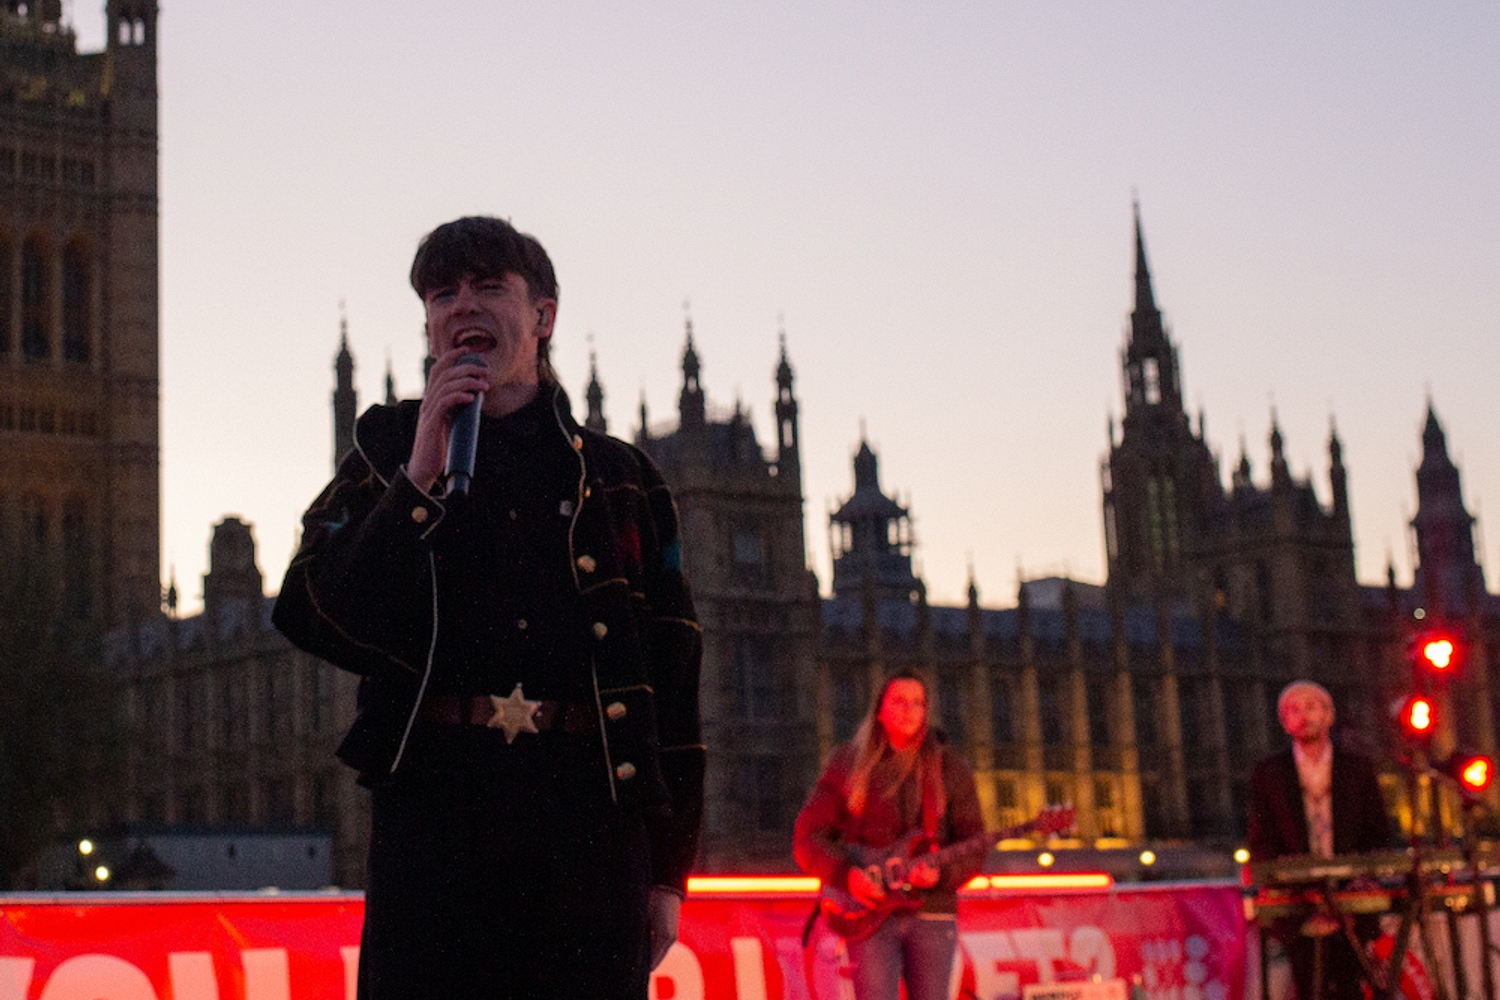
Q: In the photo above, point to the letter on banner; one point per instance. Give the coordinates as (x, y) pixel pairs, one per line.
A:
(987, 949)
(98, 977)
(1090, 947)
(266, 974)
(1042, 945)
(15, 977)
(678, 977)
(350, 954)
(749, 968)
(192, 975)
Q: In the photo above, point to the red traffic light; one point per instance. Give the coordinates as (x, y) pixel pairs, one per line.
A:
(1477, 774)
(1474, 772)
(1437, 652)
(1418, 716)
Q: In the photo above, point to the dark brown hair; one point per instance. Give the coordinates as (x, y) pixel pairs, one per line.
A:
(481, 246)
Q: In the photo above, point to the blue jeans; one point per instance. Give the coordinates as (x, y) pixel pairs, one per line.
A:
(913, 946)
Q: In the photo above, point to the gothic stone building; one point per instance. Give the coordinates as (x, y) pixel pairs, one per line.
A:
(78, 307)
(1144, 701)
(234, 729)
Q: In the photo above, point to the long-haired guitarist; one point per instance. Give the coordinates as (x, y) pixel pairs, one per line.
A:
(896, 776)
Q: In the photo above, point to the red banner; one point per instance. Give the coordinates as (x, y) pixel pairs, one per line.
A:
(1178, 943)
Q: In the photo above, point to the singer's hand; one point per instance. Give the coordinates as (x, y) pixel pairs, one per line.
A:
(449, 386)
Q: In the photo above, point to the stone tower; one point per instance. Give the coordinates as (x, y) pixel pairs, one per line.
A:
(745, 557)
(1449, 578)
(78, 306)
(1160, 478)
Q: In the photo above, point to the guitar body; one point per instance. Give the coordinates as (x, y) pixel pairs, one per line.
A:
(890, 868)
(887, 867)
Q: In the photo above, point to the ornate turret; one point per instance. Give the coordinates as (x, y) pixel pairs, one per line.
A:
(594, 394)
(871, 536)
(1338, 479)
(690, 405)
(1281, 477)
(1448, 574)
(787, 456)
(345, 401)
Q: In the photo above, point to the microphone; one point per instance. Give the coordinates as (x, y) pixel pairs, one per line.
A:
(463, 438)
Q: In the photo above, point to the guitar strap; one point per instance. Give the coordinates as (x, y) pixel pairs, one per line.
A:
(932, 793)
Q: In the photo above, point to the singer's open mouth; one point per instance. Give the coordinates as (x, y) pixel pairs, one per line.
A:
(479, 343)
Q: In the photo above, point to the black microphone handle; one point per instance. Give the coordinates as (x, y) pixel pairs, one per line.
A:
(463, 438)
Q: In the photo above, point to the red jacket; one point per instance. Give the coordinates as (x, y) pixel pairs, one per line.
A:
(825, 823)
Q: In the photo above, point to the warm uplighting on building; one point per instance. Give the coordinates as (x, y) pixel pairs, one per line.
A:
(1045, 859)
(1241, 856)
(1148, 857)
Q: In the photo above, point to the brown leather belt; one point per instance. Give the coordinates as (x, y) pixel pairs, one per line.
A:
(575, 717)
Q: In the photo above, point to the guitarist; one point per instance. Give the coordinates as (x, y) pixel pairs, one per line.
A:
(895, 776)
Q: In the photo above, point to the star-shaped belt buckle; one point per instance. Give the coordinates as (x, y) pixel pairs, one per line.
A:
(514, 714)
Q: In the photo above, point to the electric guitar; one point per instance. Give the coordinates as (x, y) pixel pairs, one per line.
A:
(890, 868)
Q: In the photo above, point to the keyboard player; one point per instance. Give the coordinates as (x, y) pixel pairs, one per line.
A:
(1320, 800)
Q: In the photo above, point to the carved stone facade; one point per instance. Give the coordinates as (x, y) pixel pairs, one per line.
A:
(79, 493)
(233, 728)
(745, 556)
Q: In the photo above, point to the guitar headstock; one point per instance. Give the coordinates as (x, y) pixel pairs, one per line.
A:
(1054, 819)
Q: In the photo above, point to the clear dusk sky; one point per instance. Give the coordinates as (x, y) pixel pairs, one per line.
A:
(936, 197)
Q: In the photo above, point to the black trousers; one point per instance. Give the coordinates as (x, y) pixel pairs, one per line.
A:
(503, 871)
(1341, 975)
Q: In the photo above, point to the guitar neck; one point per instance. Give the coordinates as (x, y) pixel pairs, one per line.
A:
(988, 839)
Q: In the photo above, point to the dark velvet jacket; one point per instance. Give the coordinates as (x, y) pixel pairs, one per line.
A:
(362, 593)
(1278, 819)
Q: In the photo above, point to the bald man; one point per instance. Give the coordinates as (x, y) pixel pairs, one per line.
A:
(1319, 800)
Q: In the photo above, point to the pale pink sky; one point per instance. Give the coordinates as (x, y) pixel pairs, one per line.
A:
(936, 196)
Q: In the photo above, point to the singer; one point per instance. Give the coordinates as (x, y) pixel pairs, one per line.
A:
(528, 710)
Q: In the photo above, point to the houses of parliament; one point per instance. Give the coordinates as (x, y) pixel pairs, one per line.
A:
(1143, 701)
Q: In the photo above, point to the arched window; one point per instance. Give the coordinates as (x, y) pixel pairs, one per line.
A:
(75, 275)
(34, 300)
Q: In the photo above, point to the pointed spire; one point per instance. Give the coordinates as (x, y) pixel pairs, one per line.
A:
(1434, 441)
(866, 468)
(643, 433)
(1280, 475)
(786, 414)
(783, 367)
(172, 592)
(1241, 477)
(345, 399)
(390, 382)
(594, 394)
(1152, 378)
(973, 585)
(1145, 298)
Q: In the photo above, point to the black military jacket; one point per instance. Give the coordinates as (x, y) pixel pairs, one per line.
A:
(363, 593)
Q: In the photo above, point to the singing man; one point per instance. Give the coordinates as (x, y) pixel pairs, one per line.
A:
(528, 652)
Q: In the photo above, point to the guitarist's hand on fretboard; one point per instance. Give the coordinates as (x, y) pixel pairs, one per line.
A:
(923, 874)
